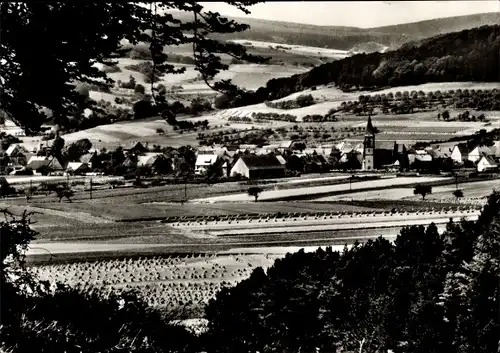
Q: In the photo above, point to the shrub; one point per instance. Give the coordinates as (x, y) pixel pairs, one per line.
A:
(111, 68)
(130, 84)
(140, 53)
(139, 89)
(305, 100)
(146, 68)
(221, 102)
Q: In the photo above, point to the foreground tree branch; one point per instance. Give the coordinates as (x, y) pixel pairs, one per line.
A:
(58, 44)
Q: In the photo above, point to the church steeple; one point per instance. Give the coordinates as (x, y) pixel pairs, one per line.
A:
(369, 146)
(369, 127)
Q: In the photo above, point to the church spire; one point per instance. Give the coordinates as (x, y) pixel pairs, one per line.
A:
(369, 127)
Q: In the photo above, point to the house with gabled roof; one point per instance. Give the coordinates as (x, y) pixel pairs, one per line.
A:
(52, 163)
(91, 159)
(15, 149)
(148, 159)
(203, 162)
(254, 166)
(479, 151)
(460, 153)
(135, 147)
(77, 168)
(486, 164)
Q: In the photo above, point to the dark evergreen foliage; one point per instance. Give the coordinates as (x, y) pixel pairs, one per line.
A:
(426, 292)
(49, 30)
(469, 55)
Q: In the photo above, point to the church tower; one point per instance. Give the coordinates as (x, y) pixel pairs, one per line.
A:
(369, 146)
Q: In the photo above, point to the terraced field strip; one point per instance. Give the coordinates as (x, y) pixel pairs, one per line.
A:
(325, 190)
(309, 224)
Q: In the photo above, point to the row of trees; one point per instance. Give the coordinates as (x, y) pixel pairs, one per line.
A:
(409, 102)
(274, 116)
(304, 100)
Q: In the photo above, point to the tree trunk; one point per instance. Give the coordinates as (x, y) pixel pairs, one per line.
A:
(361, 345)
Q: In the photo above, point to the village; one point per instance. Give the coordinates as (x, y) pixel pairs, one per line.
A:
(229, 162)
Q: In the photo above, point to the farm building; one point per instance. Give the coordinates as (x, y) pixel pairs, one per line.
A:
(285, 146)
(460, 153)
(15, 149)
(254, 166)
(479, 151)
(496, 148)
(148, 159)
(36, 163)
(91, 159)
(486, 164)
(135, 147)
(10, 128)
(440, 152)
(203, 161)
(400, 157)
(77, 168)
(218, 150)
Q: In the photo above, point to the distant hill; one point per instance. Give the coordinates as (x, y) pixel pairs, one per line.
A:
(430, 28)
(345, 38)
(468, 55)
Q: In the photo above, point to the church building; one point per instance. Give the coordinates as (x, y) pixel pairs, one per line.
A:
(369, 146)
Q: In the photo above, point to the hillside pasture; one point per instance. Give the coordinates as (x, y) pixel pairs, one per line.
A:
(120, 131)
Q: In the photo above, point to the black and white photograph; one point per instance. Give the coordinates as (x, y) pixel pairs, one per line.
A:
(250, 177)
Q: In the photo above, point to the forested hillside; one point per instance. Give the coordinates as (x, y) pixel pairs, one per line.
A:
(425, 292)
(345, 38)
(469, 55)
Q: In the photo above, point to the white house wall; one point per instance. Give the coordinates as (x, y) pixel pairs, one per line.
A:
(240, 168)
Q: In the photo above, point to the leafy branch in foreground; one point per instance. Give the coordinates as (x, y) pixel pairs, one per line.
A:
(68, 45)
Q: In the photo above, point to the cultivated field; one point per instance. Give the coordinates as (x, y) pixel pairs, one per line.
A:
(248, 76)
(174, 283)
(311, 191)
(478, 189)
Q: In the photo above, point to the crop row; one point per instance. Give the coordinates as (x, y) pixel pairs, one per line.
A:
(289, 215)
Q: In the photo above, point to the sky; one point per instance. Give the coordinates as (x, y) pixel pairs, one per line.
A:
(357, 13)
